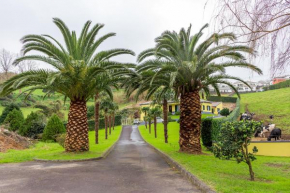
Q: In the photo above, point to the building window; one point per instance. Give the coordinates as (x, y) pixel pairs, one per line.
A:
(208, 108)
(218, 110)
(203, 107)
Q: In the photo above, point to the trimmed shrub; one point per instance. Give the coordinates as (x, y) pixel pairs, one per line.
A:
(225, 112)
(60, 139)
(53, 128)
(177, 113)
(284, 84)
(33, 125)
(222, 99)
(206, 135)
(15, 120)
(7, 110)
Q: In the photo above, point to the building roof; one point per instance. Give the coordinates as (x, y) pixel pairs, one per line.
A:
(215, 104)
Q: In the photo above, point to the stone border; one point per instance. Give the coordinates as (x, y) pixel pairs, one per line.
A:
(104, 155)
(192, 178)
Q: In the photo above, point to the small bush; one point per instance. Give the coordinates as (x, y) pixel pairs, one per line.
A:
(177, 113)
(91, 112)
(206, 132)
(225, 112)
(169, 119)
(60, 139)
(33, 125)
(53, 128)
(15, 120)
(7, 110)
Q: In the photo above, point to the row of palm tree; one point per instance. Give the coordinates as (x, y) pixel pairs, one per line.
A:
(178, 62)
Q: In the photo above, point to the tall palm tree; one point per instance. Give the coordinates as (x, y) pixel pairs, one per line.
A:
(189, 68)
(114, 109)
(145, 111)
(76, 65)
(106, 105)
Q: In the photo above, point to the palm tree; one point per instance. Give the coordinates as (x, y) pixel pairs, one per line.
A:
(155, 112)
(106, 105)
(114, 109)
(145, 111)
(190, 68)
(162, 96)
(76, 68)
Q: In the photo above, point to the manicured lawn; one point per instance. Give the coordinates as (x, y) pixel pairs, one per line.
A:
(272, 173)
(53, 151)
(273, 102)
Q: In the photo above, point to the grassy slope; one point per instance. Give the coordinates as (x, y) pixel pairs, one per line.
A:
(222, 175)
(273, 102)
(53, 151)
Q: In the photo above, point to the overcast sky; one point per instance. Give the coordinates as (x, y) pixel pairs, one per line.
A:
(136, 22)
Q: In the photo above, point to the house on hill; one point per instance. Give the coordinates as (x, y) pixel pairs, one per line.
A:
(277, 80)
(207, 107)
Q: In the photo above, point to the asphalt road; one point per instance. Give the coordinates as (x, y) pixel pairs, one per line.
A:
(131, 167)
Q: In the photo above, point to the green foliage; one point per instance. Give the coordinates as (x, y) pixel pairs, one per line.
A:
(215, 125)
(206, 132)
(14, 119)
(225, 112)
(60, 139)
(53, 128)
(33, 125)
(233, 141)
(7, 110)
(284, 84)
(222, 99)
(91, 112)
(118, 121)
(177, 113)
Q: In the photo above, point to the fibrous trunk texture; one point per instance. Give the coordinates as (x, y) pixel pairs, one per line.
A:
(110, 124)
(106, 127)
(149, 123)
(77, 138)
(155, 125)
(114, 121)
(165, 120)
(190, 123)
(97, 112)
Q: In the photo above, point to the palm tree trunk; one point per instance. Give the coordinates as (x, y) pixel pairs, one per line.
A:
(165, 120)
(110, 124)
(114, 121)
(145, 115)
(190, 123)
(155, 125)
(97, 115)
(77, 138)
(149, 123)
(106, 127)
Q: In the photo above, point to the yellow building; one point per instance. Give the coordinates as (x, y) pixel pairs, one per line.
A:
(173, 107)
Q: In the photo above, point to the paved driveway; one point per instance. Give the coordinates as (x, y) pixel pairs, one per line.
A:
(131, 167)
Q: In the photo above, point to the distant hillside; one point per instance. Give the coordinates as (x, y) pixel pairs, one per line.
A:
(273, 102)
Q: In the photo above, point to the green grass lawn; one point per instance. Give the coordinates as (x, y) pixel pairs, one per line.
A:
(272, 173)
(273, 102)
(53, 151)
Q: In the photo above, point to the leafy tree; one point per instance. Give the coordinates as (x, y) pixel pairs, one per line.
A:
(7, 110)
(225, 112)
(233, 141)
(15, 120)
(91, 112)
(155, 112)
(53, 128)
(190, 68)
(77, 68)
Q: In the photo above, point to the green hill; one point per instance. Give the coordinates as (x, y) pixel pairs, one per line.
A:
(273, 102)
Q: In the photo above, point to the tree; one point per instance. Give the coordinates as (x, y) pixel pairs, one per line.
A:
(7, 110)
(53, 128)
(33, 125)
(114, 109)
(15, 120)
(233, 141)
(190, 68)
(76, 68)
(262, 24)
(155, 112)
(6, 60)
(145, 111)
(225, 112)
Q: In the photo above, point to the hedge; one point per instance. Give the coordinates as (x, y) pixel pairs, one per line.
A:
(284, 84)
(91, 123)
(222, 99)
(210, 127)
